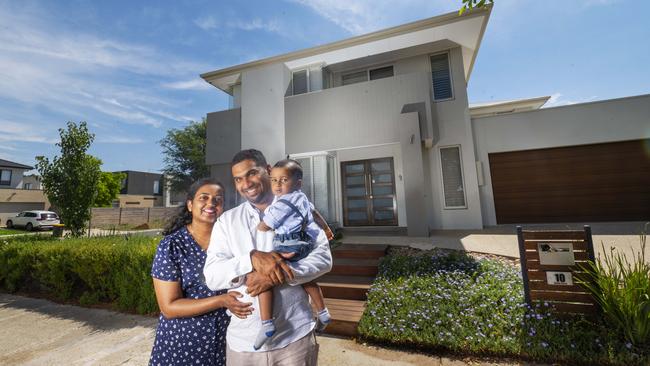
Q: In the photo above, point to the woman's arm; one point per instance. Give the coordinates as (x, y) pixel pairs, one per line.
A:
(173, 305)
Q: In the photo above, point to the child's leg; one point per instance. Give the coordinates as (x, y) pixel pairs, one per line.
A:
(316, 295)
(265, 302)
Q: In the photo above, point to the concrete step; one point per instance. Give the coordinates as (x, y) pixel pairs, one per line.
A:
(355, 267)
(345, 287)
(365, 251)
(345, 316)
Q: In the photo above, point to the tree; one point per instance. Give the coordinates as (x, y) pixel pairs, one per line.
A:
(70, 181)
(184, 155)
(108, 188)
(470, 4)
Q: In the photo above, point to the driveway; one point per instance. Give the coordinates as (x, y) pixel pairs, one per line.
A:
(40, 332)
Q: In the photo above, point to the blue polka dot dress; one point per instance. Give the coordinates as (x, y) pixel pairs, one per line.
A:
(199, 340)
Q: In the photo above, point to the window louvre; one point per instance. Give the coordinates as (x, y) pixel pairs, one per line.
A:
(300, 82)
(354, 77)
(441, 77)
(452, 177)
(382, 72)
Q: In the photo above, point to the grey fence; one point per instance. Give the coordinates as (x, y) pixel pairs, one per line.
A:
(130, 216)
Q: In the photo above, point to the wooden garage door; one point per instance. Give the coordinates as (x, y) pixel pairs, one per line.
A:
(600, 182)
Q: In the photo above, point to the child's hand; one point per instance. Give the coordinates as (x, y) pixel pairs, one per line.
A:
(263, 227)
(286, 255)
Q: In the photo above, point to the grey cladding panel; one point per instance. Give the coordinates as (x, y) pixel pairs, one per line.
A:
(223, 136)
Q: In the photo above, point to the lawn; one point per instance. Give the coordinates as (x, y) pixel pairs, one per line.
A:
(5, 231)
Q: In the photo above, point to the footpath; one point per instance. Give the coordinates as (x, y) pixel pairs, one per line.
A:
(40, 332)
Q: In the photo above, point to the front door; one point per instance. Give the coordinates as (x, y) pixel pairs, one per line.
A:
(369, 193)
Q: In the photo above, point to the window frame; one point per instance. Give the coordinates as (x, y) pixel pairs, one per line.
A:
(451, 77)
(462, 176)
(6, 182)
(156, 184)
(367, 71)
(306, 70)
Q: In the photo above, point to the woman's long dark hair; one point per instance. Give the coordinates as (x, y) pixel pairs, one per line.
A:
(183, 216)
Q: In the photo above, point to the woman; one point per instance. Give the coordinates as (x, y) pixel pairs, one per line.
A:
(193, 320)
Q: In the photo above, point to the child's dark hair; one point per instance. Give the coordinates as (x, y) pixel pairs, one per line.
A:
(183, 216)
(249, 154)
(294, 167)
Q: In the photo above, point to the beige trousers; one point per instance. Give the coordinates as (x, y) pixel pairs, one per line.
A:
(303, 352)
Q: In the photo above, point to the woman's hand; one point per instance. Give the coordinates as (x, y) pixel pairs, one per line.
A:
(236, 307)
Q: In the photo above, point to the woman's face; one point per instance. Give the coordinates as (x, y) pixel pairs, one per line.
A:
(207, 204)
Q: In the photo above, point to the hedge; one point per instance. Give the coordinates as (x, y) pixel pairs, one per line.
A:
(452, 302)
(88, 270)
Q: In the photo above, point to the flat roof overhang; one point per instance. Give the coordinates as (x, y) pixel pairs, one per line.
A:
(465, 31)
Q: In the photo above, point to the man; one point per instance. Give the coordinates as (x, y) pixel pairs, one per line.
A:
(240, 257)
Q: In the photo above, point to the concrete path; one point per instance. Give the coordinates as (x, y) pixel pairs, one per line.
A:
(502, 240)
(40, 332)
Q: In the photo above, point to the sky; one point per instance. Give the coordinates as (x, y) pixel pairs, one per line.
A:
(130, 69)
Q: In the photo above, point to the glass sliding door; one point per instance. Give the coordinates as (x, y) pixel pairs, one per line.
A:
(369, 192)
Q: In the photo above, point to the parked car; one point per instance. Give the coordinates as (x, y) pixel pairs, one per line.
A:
(34, 220)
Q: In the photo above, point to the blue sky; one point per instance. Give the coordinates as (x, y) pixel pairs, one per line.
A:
(130, 68)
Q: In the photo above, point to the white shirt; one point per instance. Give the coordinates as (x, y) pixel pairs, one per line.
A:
(228, 260)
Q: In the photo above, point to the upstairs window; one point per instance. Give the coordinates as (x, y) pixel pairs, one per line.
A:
(354, 77)
(156, 187)
(300, 82)
(441, 76)
(380, 73)
(5, 177)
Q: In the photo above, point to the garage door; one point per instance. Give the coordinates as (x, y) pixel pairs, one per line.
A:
(600, 182)
(16, 207)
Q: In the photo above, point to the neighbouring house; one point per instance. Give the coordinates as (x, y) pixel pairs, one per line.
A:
(383, 128)
(32, 181)
(18, 192)
(142, 189)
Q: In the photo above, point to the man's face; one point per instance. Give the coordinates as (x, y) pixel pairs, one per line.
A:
(252, 181)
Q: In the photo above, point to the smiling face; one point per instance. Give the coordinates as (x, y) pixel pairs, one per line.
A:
(207, 204)
(283, 182)
(252, 182)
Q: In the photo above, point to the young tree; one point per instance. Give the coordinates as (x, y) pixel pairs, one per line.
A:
(70, 180)
(108, 188)
(470, 4)
(184, 155)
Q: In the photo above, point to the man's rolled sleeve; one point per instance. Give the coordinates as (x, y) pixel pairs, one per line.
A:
(222, 269)
(316, 264)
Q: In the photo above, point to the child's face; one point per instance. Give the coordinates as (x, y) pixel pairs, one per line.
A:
(282, 182)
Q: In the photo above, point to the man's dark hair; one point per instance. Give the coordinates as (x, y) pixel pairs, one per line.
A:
(249, 154)
(294, 167)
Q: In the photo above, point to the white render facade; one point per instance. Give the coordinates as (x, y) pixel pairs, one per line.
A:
(382, 125)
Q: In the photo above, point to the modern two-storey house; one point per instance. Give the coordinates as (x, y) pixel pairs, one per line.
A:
(383, 128)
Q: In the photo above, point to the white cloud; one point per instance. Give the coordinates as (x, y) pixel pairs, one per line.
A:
(272, 26)
(119, 140)
(77, 75)
(206, 23)
(363, 16)
(192, 84)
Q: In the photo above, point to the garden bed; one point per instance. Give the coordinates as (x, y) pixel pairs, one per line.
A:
(454, 302)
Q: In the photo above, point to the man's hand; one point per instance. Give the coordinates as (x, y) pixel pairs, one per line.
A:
(271, 265)
(257, 283)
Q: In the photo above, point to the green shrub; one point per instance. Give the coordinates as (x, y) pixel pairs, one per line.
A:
(622, 289)
(453, 302)
(90, 270)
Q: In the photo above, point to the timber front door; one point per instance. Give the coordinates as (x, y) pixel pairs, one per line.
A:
(369, 193)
